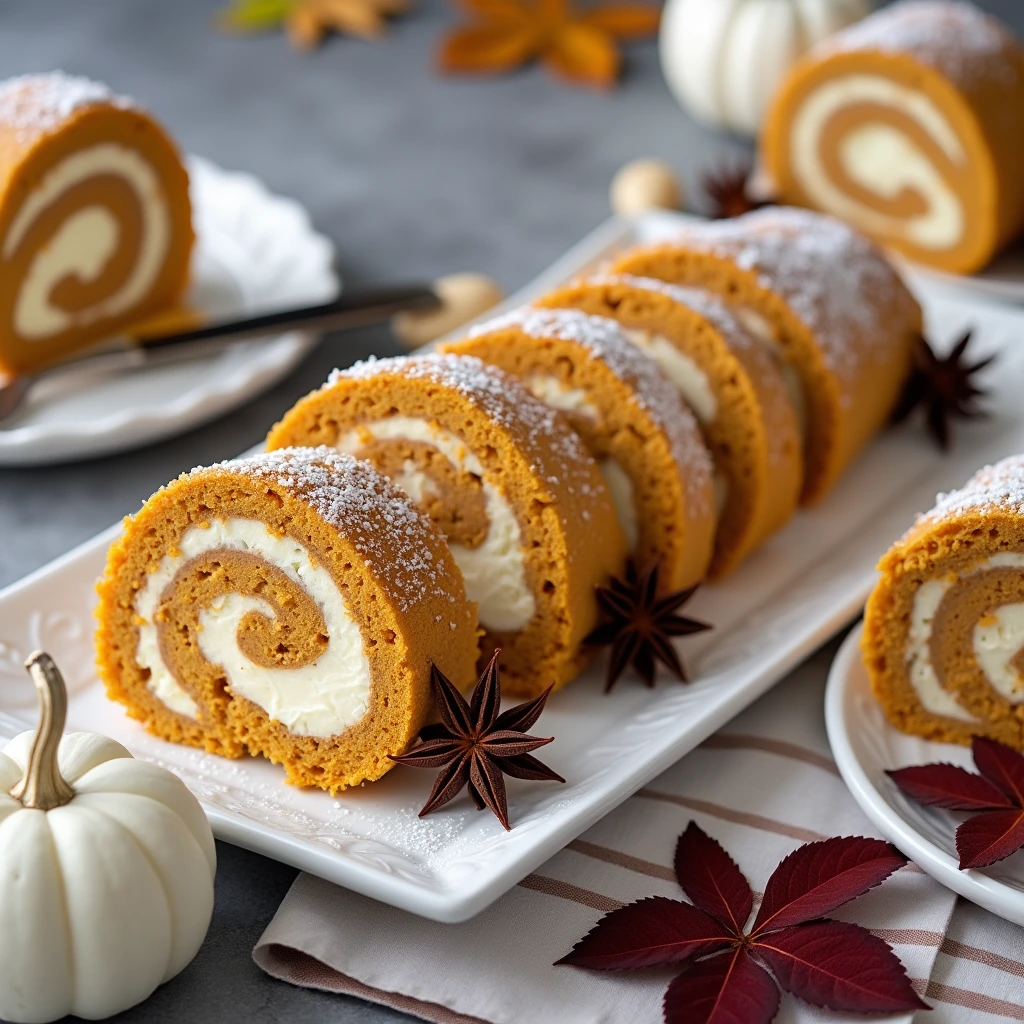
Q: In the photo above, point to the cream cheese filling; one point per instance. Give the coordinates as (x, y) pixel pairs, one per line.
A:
(881, 159)
(763, 332)
(551, 391)
(996, 640)
(87, 240)
(321, 699)
(690, 380)
(494, 573)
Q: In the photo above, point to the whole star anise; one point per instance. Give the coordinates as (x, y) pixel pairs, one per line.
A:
(730, 973)
(944, 387)
(640, 625)
(727, 189)
(473, 744)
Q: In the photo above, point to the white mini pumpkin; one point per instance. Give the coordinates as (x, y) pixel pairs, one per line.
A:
(723, 59)
(106, 870)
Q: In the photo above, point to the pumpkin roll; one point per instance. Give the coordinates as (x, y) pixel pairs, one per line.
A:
(824, 301)
(732, 383)
(943, 635)
(910, 126)
(288, 604)
(528, 517)
(95, 220)
(647, 442)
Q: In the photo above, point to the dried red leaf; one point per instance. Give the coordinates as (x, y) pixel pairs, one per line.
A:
(946, 785)
(815, 879)
(710, 877)
(723, 990)
(1002, 766)
(829, 963)
(997, 793)
(838, 965)
(988, 837)
(649, 933)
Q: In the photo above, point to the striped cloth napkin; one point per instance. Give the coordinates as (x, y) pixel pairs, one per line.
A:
(762, 786)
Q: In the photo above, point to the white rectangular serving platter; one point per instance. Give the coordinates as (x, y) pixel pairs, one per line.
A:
(801, 587)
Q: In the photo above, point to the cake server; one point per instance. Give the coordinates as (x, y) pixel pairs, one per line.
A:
(355, 309)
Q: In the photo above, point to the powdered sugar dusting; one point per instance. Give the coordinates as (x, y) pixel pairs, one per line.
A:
(553, 451)
(34, 104)
(604, 339)
(991, 489)
(383, 525)
(957, 39)
(833, 279)
(706, 304)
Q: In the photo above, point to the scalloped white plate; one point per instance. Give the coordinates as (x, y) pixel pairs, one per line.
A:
(865, 746)
(254, 251)
(797, 590)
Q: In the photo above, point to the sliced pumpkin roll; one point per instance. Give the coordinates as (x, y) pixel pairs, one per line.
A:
(527, 514)
(944, 628)
(290, 605)
(910, 126)
(824, 300)
(730, 381)
(95, 219)
(633, 421)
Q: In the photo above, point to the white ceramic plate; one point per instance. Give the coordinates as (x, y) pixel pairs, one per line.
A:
(865, 746)
(1002, 279)
(797, 590)
(254, 251)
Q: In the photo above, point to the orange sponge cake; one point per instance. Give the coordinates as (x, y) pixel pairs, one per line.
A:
(824, 299)
(95, 220)
(289, 605)
(909, 125)
(526, 512)
(734, 386)
(632, 420)
(944, 628)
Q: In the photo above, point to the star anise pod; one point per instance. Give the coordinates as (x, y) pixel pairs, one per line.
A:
(640, 625)
(473, 744)
(943, 386)
(577, 45)
(727, 189)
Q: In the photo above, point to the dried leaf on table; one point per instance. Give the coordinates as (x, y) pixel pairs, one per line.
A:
(578, 45)
(307, 22)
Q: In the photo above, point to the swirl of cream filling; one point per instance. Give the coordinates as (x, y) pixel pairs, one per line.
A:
(320, 699)
(84, 244)
(494, 573)
(998, 640)
(881, 159)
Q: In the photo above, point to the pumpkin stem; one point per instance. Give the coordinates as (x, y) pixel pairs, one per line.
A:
(43, 787)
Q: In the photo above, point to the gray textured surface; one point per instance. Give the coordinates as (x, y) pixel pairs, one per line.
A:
(412, 176)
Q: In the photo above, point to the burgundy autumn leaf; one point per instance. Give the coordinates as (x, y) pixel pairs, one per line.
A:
(946, 785)
(989, 837)
(815, 879)
(838, 965)
(710, 877)
(648, 933)
(1002, 766)
(828, 963)
(997, 794)
(722, 990)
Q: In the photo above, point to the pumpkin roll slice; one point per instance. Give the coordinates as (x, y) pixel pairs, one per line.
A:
(288, 604)
(824, 300)
(633, 421)
(732, 383)
(944, 628)
(526, 512)
(910, 126)
(95, 220)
